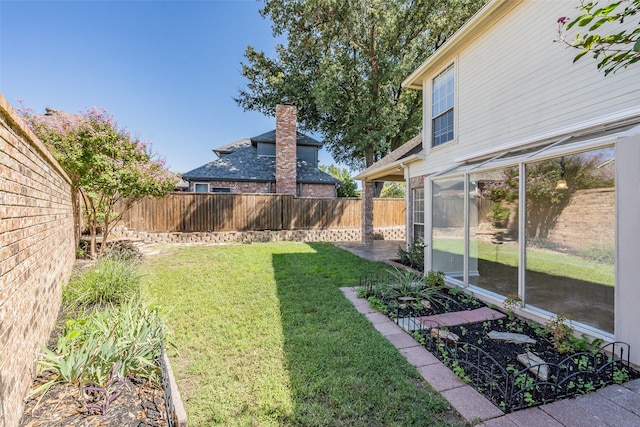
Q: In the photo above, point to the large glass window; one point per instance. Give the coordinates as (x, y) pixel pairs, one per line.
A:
(442, 102)
(546, 236)
(448, 227)
(493, 231)
(418, 213)
(570, 236)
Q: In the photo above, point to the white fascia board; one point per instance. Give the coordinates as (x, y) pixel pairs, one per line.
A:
(383, 171)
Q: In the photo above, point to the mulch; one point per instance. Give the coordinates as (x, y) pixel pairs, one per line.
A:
(141, 404)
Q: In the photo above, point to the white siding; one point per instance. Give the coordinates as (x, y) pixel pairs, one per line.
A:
(514, 82)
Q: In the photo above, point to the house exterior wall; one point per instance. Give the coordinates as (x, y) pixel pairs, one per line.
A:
(238, 186)
(322, 191)
(514, 85)
(37, 252)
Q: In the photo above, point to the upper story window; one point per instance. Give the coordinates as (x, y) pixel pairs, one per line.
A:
(442, 100)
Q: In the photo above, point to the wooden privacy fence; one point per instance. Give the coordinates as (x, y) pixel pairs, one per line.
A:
(193, 212)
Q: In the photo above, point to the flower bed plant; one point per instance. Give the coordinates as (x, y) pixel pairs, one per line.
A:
(567, 365)
(108, 345)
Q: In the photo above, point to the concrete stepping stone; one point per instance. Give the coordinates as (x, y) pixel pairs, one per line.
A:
(511, 337)
(441, 333)
(536, 365)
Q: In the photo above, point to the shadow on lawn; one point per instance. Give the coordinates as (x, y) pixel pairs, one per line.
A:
(342, 371)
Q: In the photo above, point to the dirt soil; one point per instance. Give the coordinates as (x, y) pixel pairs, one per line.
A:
(141, 404)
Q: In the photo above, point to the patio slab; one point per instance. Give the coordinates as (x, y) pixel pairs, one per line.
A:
(622, 396)
(533, 417)
(604, 409)
(564, 411)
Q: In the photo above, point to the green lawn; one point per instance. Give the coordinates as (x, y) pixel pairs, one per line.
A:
(265, 337)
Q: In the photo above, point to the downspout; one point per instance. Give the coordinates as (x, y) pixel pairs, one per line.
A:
(407, 201)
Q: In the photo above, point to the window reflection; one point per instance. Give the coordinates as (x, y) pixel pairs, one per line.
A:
(493, 231)
(570, 241)
(448, 227)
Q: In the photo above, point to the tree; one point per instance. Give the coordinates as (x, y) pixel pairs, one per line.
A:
(105, 163)
(343, 66)
(348, 187)
(393, 190)
(614, 49)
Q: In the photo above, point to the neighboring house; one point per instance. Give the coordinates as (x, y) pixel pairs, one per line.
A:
(528, 171)
(280, 161)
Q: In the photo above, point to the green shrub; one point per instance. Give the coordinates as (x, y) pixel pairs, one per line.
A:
(414, 255)
(112, 280)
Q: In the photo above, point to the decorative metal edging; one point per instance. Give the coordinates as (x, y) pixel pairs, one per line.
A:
(511, 390)
(176, 416)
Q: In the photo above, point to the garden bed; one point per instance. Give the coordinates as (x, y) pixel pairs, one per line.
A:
(567, 366)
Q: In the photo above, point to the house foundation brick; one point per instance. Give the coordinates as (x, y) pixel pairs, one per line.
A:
(37, 252)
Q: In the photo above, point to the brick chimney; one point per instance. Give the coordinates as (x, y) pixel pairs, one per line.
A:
(286, 149)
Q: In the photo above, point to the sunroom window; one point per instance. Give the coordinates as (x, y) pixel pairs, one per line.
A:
(538, 224)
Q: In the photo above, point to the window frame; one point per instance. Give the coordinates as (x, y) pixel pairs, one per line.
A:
(415, 211)
(195, 185)
(449, 111)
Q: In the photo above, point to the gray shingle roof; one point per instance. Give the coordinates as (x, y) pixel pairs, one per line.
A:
(244, 164)
(301, 139)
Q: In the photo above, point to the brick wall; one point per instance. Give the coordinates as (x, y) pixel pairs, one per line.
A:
(286, 149)
(37, 251)
(587, 221)
(319, 191)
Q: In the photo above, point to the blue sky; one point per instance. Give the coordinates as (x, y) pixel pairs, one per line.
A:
(166, 70)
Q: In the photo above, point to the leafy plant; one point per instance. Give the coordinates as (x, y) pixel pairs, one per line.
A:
(413, 256)
(100, 398)
(620, 375)
(128, 337)
(112, 280)
(561, 333)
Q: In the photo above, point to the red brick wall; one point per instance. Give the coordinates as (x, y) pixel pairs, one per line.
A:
(37, 252)
(321, 191)
(286, 149)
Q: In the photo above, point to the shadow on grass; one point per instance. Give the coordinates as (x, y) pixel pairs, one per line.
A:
(341, 370)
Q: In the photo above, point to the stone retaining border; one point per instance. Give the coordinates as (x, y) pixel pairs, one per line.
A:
(223, 237)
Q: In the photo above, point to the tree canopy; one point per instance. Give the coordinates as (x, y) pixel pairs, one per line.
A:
(104, 162)
(348, 187)
(614, 47)
(343, 66)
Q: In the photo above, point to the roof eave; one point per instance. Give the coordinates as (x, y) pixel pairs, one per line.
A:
(390, 169)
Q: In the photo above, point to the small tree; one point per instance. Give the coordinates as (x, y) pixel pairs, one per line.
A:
(393, 190)
(348, 186)
(613, 48)
(104, 162)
